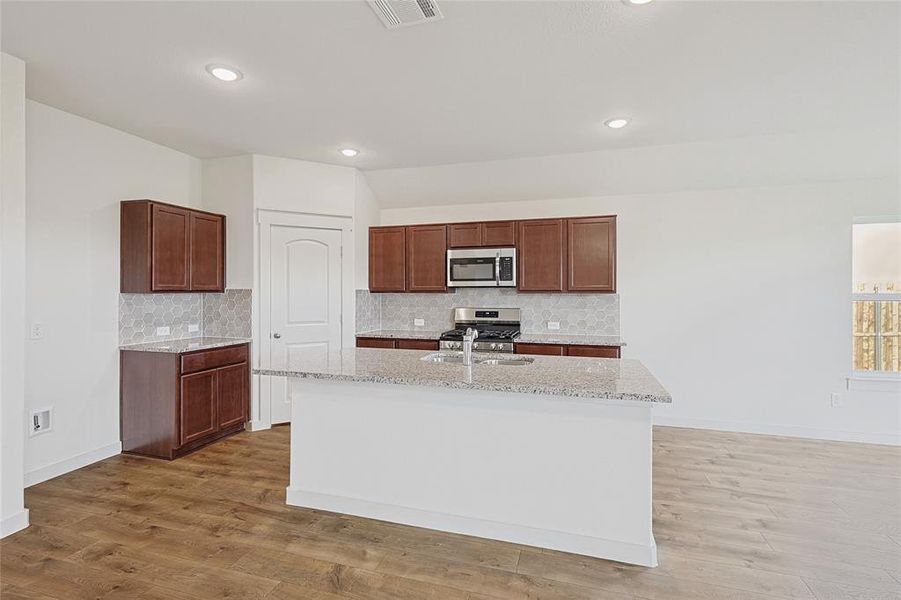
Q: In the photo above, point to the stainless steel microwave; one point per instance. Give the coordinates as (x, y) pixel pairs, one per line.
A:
(481, 267)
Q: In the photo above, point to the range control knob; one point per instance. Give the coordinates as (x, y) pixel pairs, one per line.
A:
(494, 346)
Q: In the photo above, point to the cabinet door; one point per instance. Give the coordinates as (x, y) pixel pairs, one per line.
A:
(232, 394)
(540, 252)
(591, 254)
(387, 259)
(417, 344)
(544, 349)
(427, 258)
(170, 238)
(593, 351)
(499, 233)
(197, 416)
(207, 252)
(464, 235)
(375, 343)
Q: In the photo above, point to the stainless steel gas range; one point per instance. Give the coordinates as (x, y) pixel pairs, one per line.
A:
(497, 328)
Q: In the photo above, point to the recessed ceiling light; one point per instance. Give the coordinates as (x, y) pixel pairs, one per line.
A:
(638, 2)
(617, 123)
(224, 73)
(349, 152)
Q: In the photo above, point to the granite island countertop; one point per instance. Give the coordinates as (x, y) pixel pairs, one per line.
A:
(595, 378)
(185, 344)
(524, 338)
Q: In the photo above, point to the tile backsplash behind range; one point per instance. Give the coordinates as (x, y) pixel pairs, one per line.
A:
(218, 315)
(594, 314)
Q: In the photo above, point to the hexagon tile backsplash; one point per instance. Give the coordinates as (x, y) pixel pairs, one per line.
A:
(217, 315)
(587, 314)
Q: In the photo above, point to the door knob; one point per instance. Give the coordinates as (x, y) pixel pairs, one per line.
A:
(277, 335)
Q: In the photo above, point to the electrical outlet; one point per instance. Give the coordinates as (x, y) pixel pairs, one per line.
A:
(553, 324)
(37, 331)
(162, 331)
(40, 421)
(836, 400)
(418, 322)
(193, 328)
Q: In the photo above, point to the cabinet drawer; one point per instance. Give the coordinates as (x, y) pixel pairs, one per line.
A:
(374, 343)
(211, 359)
(593, 351)
(546, 349)
(417, 344)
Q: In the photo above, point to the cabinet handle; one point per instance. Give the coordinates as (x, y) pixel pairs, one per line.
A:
(277, 335)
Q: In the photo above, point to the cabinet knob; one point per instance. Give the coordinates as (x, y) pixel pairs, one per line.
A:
(277, 335)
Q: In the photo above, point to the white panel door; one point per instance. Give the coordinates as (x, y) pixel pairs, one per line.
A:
(305, 296)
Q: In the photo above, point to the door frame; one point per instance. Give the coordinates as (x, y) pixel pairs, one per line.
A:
(266, 220)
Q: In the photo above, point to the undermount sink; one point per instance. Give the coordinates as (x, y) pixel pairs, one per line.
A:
(441, 357)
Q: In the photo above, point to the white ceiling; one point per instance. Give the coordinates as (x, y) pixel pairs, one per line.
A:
(493, 80)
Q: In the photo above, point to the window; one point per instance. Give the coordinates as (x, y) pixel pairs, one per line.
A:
(876, 297)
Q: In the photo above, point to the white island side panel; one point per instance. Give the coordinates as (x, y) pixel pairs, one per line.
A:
(556, 472)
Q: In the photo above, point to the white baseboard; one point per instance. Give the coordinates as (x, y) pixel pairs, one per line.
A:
(518, 534)
(783, 430)
(258, 426)
(14, 523)
(62, 467)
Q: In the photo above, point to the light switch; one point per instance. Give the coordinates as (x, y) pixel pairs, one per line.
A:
(162, 331)
(418, 322)
(193, 328)
(553, 324)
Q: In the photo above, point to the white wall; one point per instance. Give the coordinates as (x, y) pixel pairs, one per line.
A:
(302, 186)
(13, 515)
(78, 171)
(366, 214)
(228, 189)
(737, 300)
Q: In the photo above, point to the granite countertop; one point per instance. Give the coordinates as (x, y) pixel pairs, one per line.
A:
(403, 334)
(596, 378)
(525, 338)
(570, 339)
(185, 345)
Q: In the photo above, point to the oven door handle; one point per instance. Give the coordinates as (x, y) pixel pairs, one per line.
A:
(497, 269)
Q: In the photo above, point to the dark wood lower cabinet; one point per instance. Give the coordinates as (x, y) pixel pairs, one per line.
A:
(545, 349)
(416, 344)
(172, 403)
(564, 350)
(365, 342)
(593, 351)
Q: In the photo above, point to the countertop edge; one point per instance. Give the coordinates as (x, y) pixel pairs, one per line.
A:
(537, 390)
(525, 338)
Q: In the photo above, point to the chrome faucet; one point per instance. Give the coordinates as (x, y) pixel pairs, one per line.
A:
(468, 338)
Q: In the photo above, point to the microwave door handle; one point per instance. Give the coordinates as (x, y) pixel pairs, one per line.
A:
(497, 269)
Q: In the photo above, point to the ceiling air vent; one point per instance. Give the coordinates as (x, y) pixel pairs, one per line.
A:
(400, 13)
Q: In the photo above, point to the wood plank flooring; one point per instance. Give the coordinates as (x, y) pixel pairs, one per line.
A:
(736, 517)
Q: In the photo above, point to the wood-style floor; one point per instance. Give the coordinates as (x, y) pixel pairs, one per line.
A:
(738, 517)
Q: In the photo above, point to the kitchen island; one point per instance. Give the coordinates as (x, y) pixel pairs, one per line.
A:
(552, 452)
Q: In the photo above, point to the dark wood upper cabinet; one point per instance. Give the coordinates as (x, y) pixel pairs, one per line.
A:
(541, 252)
(591, 254)
(170, 236)
(387, 259)
(464, 235)
(427, 258)
(475, 235)
(166, 248)
(207, 247)
(499, 233)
